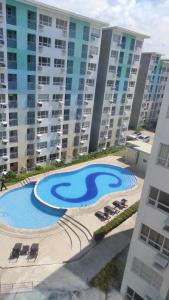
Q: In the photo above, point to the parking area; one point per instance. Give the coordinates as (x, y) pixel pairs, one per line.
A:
(143, 133)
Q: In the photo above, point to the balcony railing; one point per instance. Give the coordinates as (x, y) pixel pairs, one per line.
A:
(14, 155)
(13, 139)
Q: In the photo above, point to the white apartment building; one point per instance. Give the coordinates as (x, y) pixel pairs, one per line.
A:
(48, 69)
(147, 270)
(151, 81)
(117, 75)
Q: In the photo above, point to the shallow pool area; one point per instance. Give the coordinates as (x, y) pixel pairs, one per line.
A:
(84, 186)
(20, 209)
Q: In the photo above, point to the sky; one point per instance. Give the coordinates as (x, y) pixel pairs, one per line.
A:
(146, 16)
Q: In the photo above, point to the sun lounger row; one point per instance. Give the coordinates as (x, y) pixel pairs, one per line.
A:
(19, 250)
(109, 210)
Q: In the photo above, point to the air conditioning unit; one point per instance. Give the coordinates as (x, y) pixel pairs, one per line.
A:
(84, 116)
(81, 154)
(3, 105)
(59, 133)
(2, 64)
(90, 56)
(5, 157)
(89, 72)
(58, 160)
(107, 125)
(4, 123)
(39, 136)
(86, 102)
(40, 103)
(110, 101)
(4, 141)
(1, 17)
(2, 85)
(38, 151)
(83, 129)
(105, 137)
(58, 147)
(39, 68)
(104, 148)
(60, 102)
(37, 165)
(39, 120)
(60, 119)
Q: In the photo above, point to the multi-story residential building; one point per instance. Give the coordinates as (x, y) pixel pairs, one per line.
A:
(150, 86)
(117, 74)
(147, 269)
(48, 69)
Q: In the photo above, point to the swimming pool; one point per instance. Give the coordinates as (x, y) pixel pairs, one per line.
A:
(20, 209)
(84, 186)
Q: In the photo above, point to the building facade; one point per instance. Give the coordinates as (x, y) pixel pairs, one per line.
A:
(147, 269)
(149, 92)
(117, 74)
(48, 69)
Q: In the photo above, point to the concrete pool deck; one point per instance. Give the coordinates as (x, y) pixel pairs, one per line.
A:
(61, 243)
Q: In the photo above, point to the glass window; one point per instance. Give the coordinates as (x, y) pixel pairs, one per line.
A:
(61, 24)
(45, 20)
(86, 30)
(72, 30)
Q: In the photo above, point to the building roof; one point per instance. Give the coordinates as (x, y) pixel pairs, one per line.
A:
(43, 5)
(153, 53)
(127, 31)
(140, 146)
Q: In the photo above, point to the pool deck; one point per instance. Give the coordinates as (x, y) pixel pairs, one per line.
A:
(65, 242)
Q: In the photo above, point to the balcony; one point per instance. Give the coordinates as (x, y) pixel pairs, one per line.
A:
(31, 86)
(13, 139)
(13, 104)
(13, 122)
(13, 155)
(32, 46)
(12, 85)
(30, 137)
(31, 67)
(11, 43)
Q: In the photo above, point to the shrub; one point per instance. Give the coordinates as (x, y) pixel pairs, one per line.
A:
(102, 231)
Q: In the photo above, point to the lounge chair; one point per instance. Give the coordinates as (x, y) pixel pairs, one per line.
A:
(33, 253)
(24, 250)
(123, 202)
(15, 251)
(118, 204)
(110, 210)
(100, 215)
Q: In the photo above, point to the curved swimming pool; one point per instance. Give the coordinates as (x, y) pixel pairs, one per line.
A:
(84, 186)
(20, 209)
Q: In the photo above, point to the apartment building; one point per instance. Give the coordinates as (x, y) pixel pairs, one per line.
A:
(149, 92)
(147, 269)
(48, 69)
(117, 74)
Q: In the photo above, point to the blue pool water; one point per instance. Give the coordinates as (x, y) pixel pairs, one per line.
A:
(84, 186)
(20, 209)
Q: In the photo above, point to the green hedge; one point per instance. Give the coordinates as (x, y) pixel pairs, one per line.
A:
(12, 177)
(115, 222)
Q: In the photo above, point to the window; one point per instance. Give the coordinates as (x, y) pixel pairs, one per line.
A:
(132, 44)
(139, 44)
(59, 63)
(94, 50)
(11, 14)
(13, 136)
(30, 117)
(12, 81)
(30, 149)
(125, 86)
(72, 30)
(88, 97)
(92, 66)
(43, 114)
(31, 100)
(87, 111)
(60, 44)
(119, 69)
(117, 83)
(11, 39)
(90, 82)
(45, 20)
(55, 128)
(110, 83)
(130, 56)
(66, 114)
(31, 63)
(121, 57)
(12, 60)
(3, 135)
(64, 143)
(58, 80)
(56, 113)
(57, 97)
(43, 97)
(78, 113)
(68, 84)
(31, 19)
(146, 273)
(2, 98)
(69, 66)
(61, 24)
(163, 156)
(65, 129)
(53, 143)
(44, 41)
(1, 57)
(86, 30)
(42, 130)
(116, 38)
(112, 69)
(31, 82)
(154, 239)
(31, 41)
(30, 134)
(81, 84)
(67, 99)
(127, 72)
(2, 117)
(76, 139)
(42, 145)
(114, 54)
(136, 58)
(71, 48)
(13, 119)
(82, 68)
(159, 199)
(95, 32)
(131, 83)
(41, 159)
(44, 80)
(123, 42)
(44, 61)
(84, 51)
